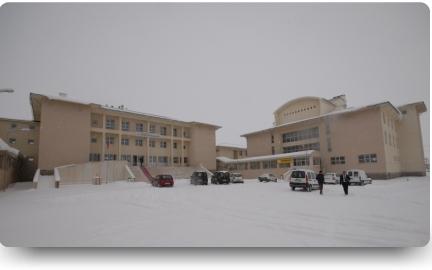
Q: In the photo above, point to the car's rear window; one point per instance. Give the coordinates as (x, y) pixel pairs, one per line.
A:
(169, 177)
(298, 174)
(236, 174)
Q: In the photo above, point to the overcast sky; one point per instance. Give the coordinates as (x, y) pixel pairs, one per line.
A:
(227, 64)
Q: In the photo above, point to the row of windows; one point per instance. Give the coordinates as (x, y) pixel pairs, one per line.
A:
(300, 110)
(270, 164)
(305, 134)
(138, 142)
(139, 127)
(138, 159)
(301, 147)
(364, 158)
(14, 141)
(14, 125)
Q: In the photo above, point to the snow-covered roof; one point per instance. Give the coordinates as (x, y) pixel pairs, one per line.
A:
(35, 102)
(347, 110)
(5, 147)
(228, 145)
(268, 157)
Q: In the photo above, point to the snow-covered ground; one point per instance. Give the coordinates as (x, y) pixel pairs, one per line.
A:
(386, 213)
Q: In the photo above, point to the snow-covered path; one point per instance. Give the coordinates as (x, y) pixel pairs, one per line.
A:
(386, 213)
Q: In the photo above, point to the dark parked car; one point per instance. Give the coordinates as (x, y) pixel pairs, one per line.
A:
(221, 177)
(267, 177)
(163, 180)
(199, 178)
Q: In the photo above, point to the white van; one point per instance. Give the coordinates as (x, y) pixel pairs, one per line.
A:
(331, 178)
(358, 177)
(303, 178)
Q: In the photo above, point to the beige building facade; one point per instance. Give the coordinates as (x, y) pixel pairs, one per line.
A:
(74, 132)
(381, 139)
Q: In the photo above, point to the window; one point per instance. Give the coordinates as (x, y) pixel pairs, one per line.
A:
(30, 141)
(404, 112)
(305, 134)
(152, 143)
(94, 123)
(175, 132)
(163, 131)
(139, 127)
(13, 125)
(273, 150)
(93, 140)
(109, 140)
(337, 160)
(152, 129)
(368, 158)
(184, 146)
(126, 157)
(139, 142)
(31, 159)
(110, 124)
(301, 161)
(185, 160)
(176, 160)
(125, 141)
(31, 127)
(163, 160)
(110, 157)
(125, 125)
(270, 164)
(163, 144)
(94, 157)
(152, 159)
(175, 145)
(272, 138)
(329, 146)
(301, 147)
(255, 165)
(316, 161)
(12, 140)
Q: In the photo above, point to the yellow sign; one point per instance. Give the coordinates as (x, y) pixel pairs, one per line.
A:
(285, 161)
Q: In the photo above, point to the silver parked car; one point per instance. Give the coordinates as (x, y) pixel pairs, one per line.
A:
(236, 178)
(267, 177)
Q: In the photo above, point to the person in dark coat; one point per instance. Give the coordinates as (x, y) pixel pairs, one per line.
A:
(141, 159)
(320, 178)
(345, 181)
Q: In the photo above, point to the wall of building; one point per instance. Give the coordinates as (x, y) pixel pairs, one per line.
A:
(354, 134)
(7, 169)
(202, 148)
(231, 152)
(410, 142)
(64, 134)
(298, 110)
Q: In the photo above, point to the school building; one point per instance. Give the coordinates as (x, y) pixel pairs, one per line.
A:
(67, 131)
(317, 133)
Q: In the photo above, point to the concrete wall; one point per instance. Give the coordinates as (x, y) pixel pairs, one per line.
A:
(109, 171)
(203, 146)
(7, 169)
(64, 134)
(410, 142)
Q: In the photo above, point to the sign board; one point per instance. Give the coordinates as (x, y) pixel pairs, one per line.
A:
(285, 161)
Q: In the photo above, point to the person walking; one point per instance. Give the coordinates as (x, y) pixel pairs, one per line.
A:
(320, 178)
(345, 181)
(141, 159)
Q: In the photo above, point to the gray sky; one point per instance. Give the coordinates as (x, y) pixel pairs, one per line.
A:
(227, 64)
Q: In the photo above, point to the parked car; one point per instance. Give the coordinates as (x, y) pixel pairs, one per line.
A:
(267, 177)
(163, 180)
(236, 178)
(358, 177)
(331, 178)
(303, 178)
(199, 178)
(221, 177)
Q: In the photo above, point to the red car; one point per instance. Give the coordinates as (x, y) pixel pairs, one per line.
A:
(163, 180)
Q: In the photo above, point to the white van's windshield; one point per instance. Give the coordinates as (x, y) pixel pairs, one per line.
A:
(298, 174)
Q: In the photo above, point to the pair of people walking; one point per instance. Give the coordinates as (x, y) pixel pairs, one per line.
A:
(344, 181)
